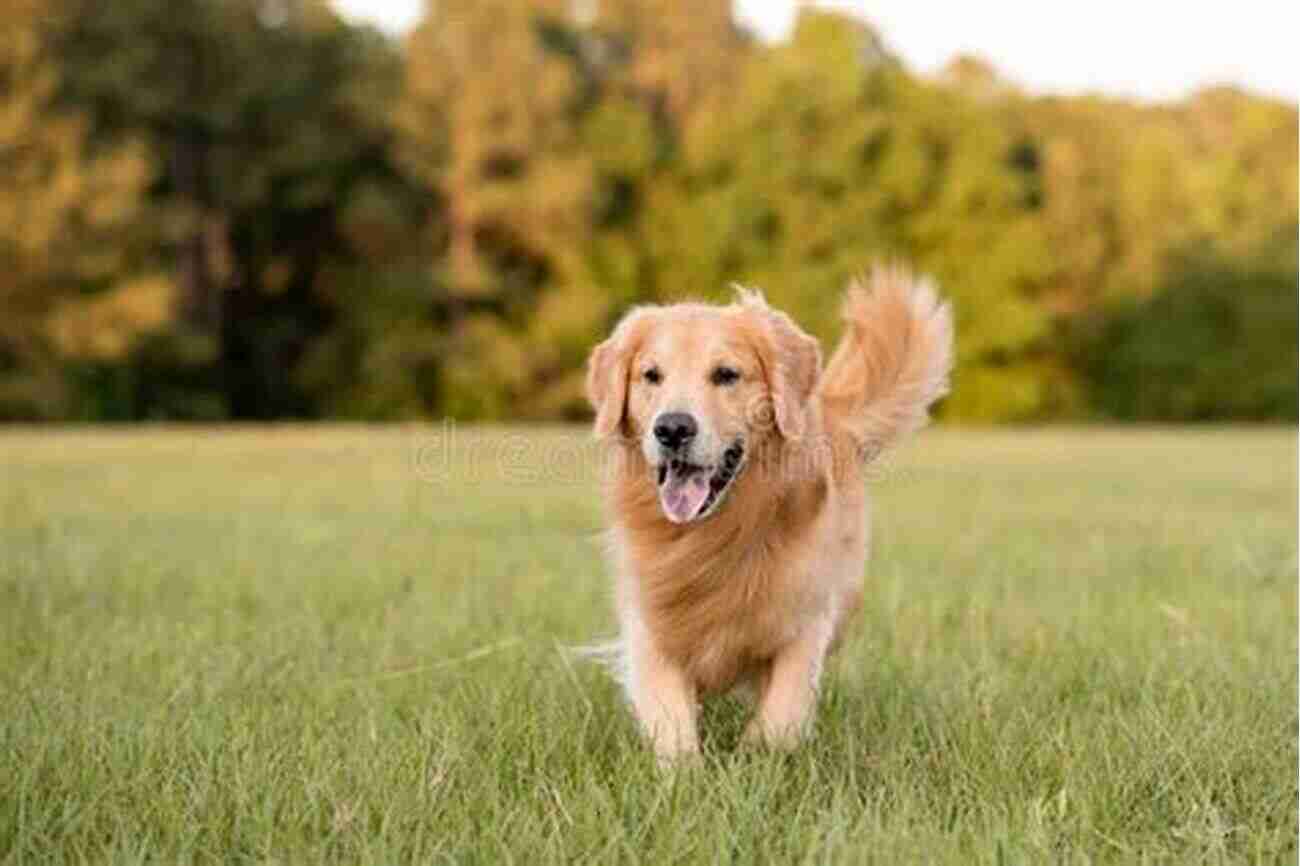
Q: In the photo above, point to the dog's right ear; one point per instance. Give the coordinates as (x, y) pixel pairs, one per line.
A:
(607, 386)
(607, 373)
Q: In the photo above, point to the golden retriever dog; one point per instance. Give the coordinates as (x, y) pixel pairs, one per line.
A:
(738, 503)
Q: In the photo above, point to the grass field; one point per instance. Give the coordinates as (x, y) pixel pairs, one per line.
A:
(343, 644)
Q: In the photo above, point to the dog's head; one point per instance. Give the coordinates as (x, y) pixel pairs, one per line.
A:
(699, 388)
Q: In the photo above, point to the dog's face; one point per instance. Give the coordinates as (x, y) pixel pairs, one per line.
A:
(699, 388)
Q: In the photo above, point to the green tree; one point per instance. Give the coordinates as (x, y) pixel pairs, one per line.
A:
(271, 121)
(506, 114)
(1125, 185)
(63, 203)
(1217, 341)
(679, 57)
(830, 155)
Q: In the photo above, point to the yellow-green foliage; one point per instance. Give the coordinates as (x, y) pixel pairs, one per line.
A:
(62, 204)
(351, 226)
(834, 157)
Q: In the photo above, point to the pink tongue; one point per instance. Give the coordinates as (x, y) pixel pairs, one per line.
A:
(682, 497)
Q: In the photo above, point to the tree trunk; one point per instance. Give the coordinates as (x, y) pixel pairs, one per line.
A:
(200, 295)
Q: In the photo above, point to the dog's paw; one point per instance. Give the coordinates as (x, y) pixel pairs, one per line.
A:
(785, 738)
(678, 760)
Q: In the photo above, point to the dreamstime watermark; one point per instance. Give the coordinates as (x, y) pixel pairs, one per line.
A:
(453, 455)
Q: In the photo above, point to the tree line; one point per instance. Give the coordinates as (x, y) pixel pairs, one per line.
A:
(251, 209)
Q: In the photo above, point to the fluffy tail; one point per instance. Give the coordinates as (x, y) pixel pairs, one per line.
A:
(893, 360)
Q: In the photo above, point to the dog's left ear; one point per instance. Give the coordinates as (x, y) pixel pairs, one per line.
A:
(792, 361)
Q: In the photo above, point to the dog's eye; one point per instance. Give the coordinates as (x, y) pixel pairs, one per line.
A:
(653, 376)
(724, 376)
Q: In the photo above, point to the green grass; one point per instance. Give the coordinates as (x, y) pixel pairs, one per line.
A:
(343, 644)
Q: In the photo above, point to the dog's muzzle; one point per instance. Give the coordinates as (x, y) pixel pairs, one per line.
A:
(689, 491)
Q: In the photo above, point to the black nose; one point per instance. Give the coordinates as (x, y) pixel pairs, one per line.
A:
(675, 429)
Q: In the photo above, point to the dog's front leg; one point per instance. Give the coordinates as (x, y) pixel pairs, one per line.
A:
(789, 690)
(664, 701)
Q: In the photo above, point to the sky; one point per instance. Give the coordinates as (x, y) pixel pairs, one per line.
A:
(1137, 49)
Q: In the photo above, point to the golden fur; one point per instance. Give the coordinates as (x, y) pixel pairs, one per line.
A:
(757, 590)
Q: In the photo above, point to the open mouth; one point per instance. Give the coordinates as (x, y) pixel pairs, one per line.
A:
(688, 491)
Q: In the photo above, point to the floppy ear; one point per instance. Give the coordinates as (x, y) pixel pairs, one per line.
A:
(607, 374)
(607, 386)
(792, 361)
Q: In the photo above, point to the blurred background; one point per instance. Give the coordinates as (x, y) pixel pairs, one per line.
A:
(289, 209)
